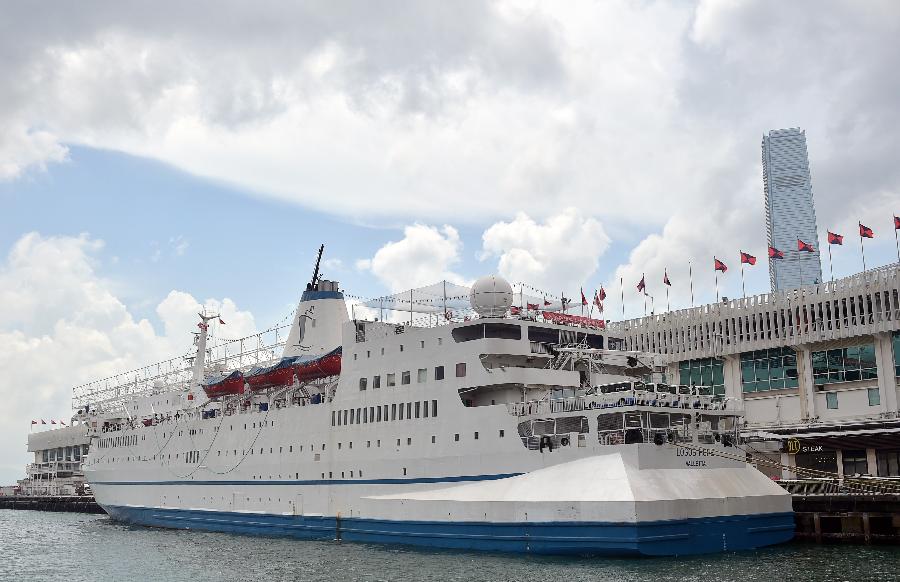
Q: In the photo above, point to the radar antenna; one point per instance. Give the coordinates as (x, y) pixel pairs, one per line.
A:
(315, 277)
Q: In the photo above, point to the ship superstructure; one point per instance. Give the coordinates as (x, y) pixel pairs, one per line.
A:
(494, 433)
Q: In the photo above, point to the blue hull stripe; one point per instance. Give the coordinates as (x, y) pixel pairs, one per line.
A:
(676, 537)
(319, 482)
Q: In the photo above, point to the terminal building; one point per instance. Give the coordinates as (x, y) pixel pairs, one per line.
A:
(56, 469)
(819, 363)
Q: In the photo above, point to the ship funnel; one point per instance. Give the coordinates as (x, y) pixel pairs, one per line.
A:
(318, 320)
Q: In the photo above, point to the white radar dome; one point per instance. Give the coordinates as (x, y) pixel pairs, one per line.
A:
(491, 296)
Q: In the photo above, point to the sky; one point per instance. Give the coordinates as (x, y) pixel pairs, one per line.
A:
(156, 158)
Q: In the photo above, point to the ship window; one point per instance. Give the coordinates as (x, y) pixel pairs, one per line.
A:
(290, 449)
(404, 470)
(339, 446)
(362, 383)
(401, 347)
(391, 379)
(376, 382)
(460, 369)
(425, 409)
(408, 410)
(368, 444)
(378, 416)
(350, 445)
(332, 419)
(433, 438)
(438, 372)
(401, 411)
(368, 353)
(352, 416)
(422, 375)
(405, 377)
(365, 415)
(476, 435)
(434, 408)
(345, 417)
(502, 434)
(487, 330)
(440, 341)
(393, 412)
(418, 409)
(422, 344)
(456, 437)
(354, 356)
(371, 414)
(382, 351)
(358, 416)
(831, 400)
(408, 441)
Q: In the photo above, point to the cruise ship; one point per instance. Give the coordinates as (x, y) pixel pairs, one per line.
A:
(499, 432)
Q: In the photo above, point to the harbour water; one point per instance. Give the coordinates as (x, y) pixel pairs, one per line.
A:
(37, 546)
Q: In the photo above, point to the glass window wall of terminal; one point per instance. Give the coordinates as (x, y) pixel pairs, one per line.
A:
(703, 372)
(844, 365)
(897, 353)
(765, 370)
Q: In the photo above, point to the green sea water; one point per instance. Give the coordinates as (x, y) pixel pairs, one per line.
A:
(37, 546)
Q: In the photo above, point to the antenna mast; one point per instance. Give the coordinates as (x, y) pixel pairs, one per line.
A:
(315, 277)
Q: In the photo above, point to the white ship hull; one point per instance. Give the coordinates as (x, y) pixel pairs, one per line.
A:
(455, 437)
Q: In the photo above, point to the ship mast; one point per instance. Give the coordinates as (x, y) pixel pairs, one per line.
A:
(315, 277)
(200, 358)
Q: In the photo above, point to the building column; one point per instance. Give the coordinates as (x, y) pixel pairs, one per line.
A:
(871, 462)
(807, 389)
(788, 460)
(887, 381)
(731, 370)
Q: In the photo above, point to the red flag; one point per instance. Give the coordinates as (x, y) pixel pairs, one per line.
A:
(514, 310)
(641, 285)
(533, 306)
(602, 294)
(896, 222)
(583, 298)
(666, 279)
(220, 321)
(597, 302)
(835, 239)
(52, 421)
(33, 422)
(805, 247)
(865, 231)
(747, 258)
(775, 253)
(546, 303)
(62, 423)
(719, 265)
(202, 325)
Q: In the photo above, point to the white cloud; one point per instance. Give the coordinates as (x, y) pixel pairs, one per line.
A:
(425, 255)
(61, 324)
(564, 250)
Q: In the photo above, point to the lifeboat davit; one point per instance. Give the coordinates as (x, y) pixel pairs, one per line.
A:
(233, 383)
(304, 368)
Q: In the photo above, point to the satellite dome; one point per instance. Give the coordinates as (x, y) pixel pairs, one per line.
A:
(491, 296)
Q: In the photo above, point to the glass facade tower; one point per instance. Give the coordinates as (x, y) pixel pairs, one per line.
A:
(790, 213)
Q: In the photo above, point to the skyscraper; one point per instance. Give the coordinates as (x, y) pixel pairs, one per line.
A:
(790, 212)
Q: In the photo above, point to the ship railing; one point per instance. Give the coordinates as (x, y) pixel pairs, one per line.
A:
(856, 485)
(623, 399)
(52, 467)
(176, 373)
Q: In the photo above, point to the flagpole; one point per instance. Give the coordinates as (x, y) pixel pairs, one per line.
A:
(691, 276)
(668, 303)
(582, 301)
(862, 249)
(644, 291)
(830, 264)
(896, 240)
(717, 286)
(800, 270)
(743, 286)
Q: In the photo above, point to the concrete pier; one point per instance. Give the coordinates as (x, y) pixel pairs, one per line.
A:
(860, 519)
(68, 503)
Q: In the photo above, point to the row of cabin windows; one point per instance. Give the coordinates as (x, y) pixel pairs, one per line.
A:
(406, 377)
(384, 413)
(440, 342)
(119, 441)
